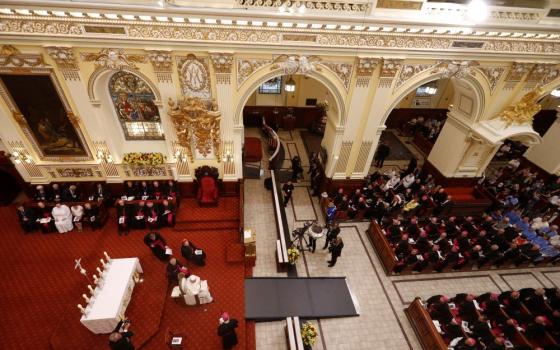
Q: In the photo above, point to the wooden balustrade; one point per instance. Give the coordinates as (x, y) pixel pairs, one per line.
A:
(423, 326)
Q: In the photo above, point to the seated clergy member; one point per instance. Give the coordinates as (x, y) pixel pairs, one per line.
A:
(122, 217)
(171, 191)
(195, 291)
(56, 194)
(44, 218)
(157, 190)
(144, 191)
(26, 219)
(91, 216)
(167, 216)
(41, 195)
(77, 214)
(174, 268)
(157, 244)
(191, 253)
(62, 218)
(101, 194)
(152, 215)
(139, 216)
(130, 190)
(71, 194)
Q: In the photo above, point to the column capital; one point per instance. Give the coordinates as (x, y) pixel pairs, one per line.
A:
(162, 63)
(364, 69)
(222, 61)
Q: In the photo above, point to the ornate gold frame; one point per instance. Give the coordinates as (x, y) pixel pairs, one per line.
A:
(21, 121)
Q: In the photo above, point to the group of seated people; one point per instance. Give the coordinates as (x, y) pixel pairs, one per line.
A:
(144, 190)
(521, 188)
(194, 290)
(429, 128)
(71, 193)
(412, 192)
(142, 214)
(510, 149)
(51, 217)
(521, 320)
(498, 239)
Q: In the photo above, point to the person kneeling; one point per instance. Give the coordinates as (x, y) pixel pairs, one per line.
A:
(157, 244)
(190, 252)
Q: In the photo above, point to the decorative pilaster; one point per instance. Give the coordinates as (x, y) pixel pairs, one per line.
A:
(388, 72)
(222, 63)
(365, 68)
(105, 158)
(65, 61)
(162, 63)
(181, 158)
(23, 159)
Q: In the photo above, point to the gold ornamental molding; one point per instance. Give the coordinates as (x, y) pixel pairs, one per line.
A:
(194, 76)
(518, 71)
(162, 63)
(364, 70)
(65, 60)
(197, 127)
(113, 59)
(12, 57)
(222, 63)
(310, 5)
(246, 68)
(523, 111)
(493, 75)
(544, 73)
(389, 70)
(342, 70)
(447, 41)
(296, 64)
(410, 70)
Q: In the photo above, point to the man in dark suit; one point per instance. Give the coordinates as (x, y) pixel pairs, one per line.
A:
(382, 152)
(120, 338)
(332, 233)
(91, 215)
(26, 219)
(71, 194)
(288, 189)
(336, 251)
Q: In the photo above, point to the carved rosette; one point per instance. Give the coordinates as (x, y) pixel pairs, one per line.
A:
(113, 59)
(389, 71)
(342, 70)
(364, 70)
(197, 127)
(493, 75)
(246, 67)
(162, 63)
(222, 63)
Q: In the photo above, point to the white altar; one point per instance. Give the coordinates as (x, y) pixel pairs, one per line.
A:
(108, 304)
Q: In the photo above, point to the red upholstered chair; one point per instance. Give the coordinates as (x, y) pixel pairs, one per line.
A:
(207, 192)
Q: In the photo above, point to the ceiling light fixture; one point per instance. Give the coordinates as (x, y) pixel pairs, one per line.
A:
(555, 92)
(477, 10)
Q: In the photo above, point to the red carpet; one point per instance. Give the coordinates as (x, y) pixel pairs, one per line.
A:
(40, 289)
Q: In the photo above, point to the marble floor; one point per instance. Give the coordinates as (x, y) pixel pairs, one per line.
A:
(382, 323)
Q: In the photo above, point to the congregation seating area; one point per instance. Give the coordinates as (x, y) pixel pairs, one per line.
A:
(463, 243)
(413, 192)
(524, 319)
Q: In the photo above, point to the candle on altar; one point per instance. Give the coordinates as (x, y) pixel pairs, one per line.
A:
(99, 270)
(85, 298)
(102, 263)
(90, 289)
(107, 257)
(95, 279)
(83, 311)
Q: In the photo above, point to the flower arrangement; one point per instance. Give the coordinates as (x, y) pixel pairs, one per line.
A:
(137, 158)
(309, 333)
(324, 106)
(293, 255)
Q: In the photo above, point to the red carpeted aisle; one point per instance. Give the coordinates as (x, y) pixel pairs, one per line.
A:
(39, 289)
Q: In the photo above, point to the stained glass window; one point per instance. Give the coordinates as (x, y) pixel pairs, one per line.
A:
(134, 104)
(273, 86)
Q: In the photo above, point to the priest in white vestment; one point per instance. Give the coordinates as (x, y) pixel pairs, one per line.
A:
(62, 218)
(195, 291)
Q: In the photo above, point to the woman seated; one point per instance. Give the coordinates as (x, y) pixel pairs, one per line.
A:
(190, 252)
(157, 244)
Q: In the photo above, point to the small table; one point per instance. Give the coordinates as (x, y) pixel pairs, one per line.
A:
(109, 303)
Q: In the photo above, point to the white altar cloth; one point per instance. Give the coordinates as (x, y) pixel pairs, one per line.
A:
(109, 303)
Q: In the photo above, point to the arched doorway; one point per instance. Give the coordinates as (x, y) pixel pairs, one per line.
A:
(297, 109)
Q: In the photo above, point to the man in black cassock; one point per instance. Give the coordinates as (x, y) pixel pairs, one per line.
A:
(157, 244)
(226, 330)
(191, 253)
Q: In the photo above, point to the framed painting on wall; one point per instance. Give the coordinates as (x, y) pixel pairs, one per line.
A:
(39, 106)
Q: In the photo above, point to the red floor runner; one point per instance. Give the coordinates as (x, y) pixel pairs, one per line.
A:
(227, 209)
(39, 288)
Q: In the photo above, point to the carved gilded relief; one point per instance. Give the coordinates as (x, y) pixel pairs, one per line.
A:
(197, 127)
(523, 111)
(194, 76)
(113, 59)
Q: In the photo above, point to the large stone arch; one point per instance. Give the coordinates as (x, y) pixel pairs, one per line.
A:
(324, 76)
(475, 84)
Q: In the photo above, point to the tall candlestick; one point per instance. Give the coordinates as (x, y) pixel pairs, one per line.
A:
(99, 270)
(83, 311)
(95, 279)
(107, 257)
(85, 298)
(102, 262)
(90, 289)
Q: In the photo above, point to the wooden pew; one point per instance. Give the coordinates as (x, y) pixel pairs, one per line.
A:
(383, 249)
(423, 326)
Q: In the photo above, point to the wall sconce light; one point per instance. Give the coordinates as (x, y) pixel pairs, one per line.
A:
(20, 157)
(104, 156)
(228, 157)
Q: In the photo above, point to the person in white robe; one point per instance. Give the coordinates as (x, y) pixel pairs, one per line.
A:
(195, 291)
(77, 213)
(62, 218)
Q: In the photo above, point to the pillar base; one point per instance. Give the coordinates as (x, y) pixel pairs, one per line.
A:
(444, 181)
